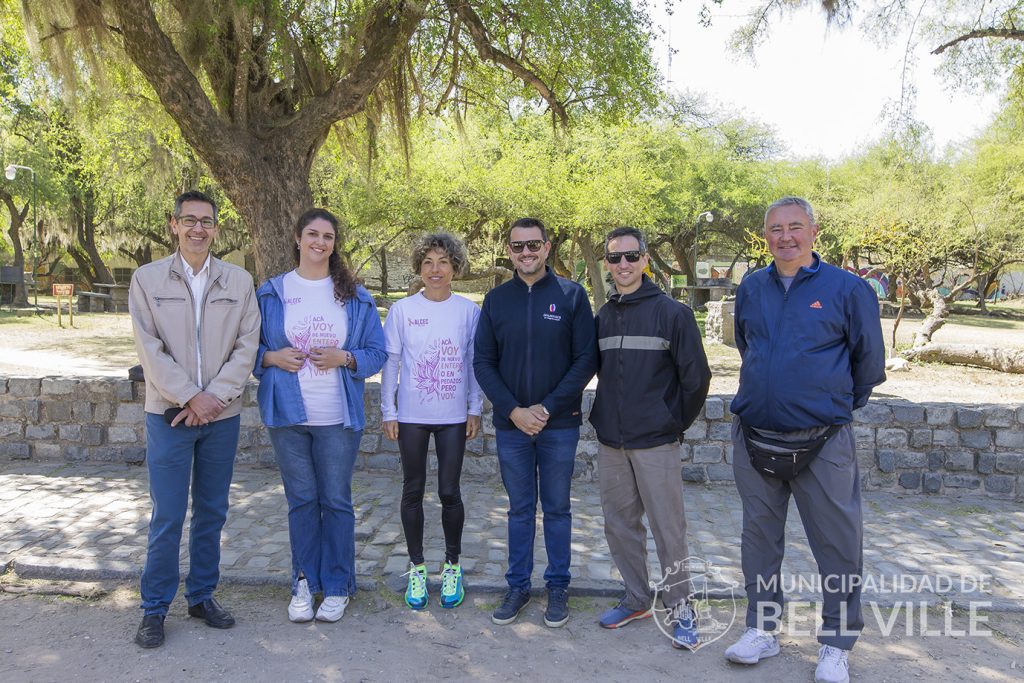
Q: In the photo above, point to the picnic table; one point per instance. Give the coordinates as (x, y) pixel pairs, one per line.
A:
(118, 301)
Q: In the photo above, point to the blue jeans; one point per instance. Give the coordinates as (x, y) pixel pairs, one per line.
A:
(530, 465)
(316, 467)
(177, 457)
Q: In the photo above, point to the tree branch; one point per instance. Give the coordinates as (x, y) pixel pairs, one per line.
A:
(478, 32)
(387, 33)
(1005, 33)
(154, 54)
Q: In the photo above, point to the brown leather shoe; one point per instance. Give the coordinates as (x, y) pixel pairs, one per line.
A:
(151, 631)
(212, 613)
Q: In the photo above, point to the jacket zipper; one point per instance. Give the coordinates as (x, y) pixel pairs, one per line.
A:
(529, 343)
(622, 372)
(775, 337)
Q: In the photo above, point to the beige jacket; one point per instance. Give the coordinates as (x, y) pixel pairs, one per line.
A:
(163, 317)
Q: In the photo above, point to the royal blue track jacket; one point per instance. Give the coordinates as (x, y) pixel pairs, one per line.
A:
(812, 355)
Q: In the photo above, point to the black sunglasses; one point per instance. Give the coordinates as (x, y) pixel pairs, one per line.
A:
(616, 256)
(532, 245)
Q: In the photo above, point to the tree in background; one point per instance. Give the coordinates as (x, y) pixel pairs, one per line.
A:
(256, 87)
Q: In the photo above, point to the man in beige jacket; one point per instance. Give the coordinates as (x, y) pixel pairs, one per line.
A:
(196, 329)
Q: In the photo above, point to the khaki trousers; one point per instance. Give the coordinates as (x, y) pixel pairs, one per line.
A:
(634, 482)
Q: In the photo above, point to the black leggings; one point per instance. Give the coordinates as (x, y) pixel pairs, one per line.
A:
(450, 444)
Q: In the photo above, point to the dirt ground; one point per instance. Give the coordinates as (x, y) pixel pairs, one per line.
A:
(101, 344)
(51, 638)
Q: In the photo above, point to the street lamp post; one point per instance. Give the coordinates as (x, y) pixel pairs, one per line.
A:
(709, 217)
(10, 172)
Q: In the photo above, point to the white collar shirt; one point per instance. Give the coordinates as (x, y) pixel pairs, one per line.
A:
(197, 280)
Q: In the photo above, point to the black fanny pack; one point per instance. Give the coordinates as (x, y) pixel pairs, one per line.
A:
(782, 459)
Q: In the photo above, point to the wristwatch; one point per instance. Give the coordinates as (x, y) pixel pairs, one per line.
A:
(546, 413)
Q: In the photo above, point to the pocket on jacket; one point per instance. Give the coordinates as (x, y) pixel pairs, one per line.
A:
(224, 301)
(169, 300)
(664, 421)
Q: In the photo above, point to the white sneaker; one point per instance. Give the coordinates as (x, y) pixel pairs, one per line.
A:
(753, 646)
(332, 608)
(301, 607)
(833, 666)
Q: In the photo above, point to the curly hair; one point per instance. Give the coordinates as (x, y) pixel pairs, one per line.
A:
(344, 280)
(452, 247)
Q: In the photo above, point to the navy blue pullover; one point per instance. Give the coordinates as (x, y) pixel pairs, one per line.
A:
(812, 355)
(536, 344)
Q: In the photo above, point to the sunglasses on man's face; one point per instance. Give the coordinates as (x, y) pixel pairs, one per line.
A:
(614, 257)
(532, 245)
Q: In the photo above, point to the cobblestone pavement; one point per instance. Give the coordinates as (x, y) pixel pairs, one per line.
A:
(88, 522)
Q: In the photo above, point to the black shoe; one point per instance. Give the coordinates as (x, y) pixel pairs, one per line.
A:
(557, 612)
(212, 613)
(514, 602)
(151, 631)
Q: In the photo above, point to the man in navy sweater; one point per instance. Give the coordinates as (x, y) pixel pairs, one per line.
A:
(811, 342)
(535, 352)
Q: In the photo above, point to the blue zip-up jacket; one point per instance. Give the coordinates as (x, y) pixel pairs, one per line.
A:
(812, 355)
(279, 395)
(536, 344)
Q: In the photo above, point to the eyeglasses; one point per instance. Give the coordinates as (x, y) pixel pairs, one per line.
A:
(614, 257)
(192, 221)
(532, 245)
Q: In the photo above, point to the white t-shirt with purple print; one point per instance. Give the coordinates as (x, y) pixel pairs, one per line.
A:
(314, 319)
(430, 361)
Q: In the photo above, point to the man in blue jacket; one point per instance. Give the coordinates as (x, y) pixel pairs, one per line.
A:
(533, 356)
(811, 342)
(652, 382)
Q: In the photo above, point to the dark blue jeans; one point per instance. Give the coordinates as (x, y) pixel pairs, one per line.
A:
(531, 467)
(177, 457)
(316, 467)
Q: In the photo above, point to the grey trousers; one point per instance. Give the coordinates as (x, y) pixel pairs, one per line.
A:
(634, 482)
(827, 495)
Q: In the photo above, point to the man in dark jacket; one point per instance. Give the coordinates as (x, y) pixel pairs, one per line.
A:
(533, 356)
(652, 382)
(811, 342)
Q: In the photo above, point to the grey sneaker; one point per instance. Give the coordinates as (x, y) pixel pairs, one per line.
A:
(753, 646)
(833, 666)
(557, 612)
(514, 602)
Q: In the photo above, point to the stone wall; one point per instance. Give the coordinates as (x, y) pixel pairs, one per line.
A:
(902, 446)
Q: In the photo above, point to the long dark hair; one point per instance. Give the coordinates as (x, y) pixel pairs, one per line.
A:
(344, 281)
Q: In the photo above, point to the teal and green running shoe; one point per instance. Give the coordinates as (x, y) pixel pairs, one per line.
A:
(416, 592)
(452, 591)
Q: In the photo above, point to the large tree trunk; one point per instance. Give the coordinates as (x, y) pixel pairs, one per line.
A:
(83, 211)
(1003, 360)
(597, 291)
(269, 186)
(14, 231)
(261, 158)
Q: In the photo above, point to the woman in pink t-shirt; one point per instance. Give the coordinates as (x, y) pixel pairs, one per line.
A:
(429, 339)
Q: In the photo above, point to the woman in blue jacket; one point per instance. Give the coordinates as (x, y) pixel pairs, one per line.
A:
(321, 337)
